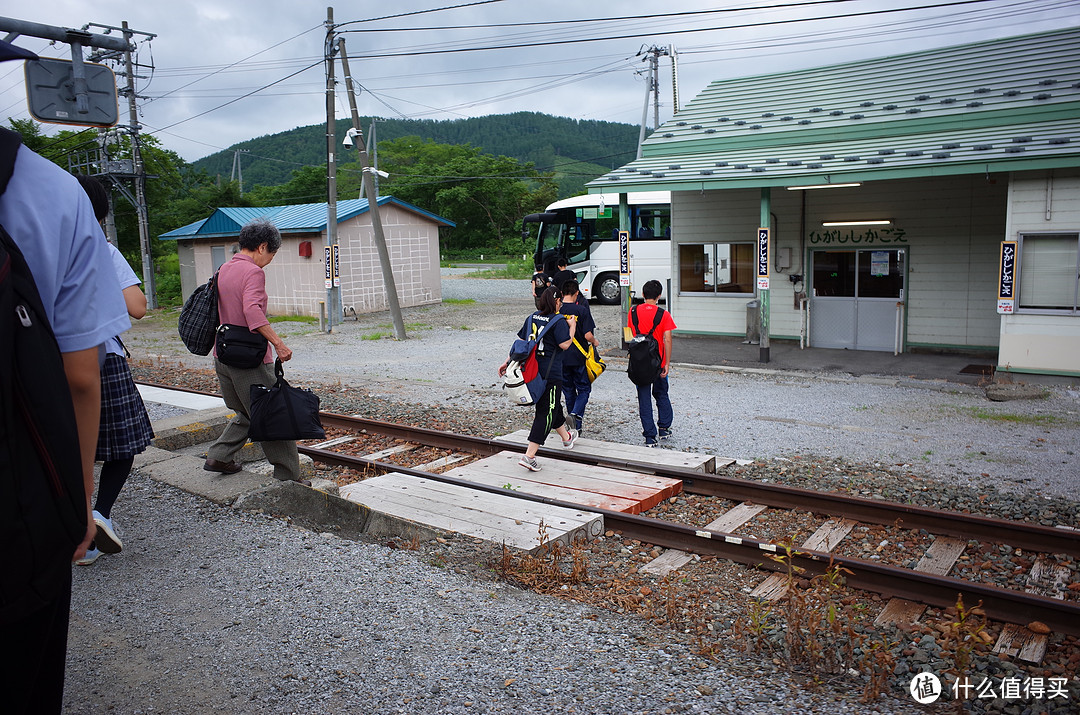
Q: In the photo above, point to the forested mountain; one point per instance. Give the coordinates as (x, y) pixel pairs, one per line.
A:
(577, 150)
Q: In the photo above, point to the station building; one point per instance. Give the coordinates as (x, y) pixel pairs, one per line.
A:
(921, 202)
(296, 279)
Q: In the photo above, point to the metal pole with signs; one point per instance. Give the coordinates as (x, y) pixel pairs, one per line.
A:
(1007, 278)
(624, 266)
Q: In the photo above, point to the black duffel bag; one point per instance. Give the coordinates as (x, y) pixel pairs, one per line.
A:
(283, 412)
(239, 347)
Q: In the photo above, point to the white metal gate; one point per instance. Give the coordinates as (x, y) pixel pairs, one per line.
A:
(856, 299)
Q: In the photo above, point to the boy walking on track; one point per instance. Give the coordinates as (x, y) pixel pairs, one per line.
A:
(646, 316)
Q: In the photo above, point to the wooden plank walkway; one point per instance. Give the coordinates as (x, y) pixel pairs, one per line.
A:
(638, 453)
(583, 484)
(492, 517)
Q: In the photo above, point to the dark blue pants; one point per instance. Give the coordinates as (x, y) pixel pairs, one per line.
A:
(576, 388)
(645, 395)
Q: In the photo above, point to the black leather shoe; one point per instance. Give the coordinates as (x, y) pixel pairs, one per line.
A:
(213, 465)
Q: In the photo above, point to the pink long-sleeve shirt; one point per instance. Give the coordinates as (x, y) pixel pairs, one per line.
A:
(241, 288)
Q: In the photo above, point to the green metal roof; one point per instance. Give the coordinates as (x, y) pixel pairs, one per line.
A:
(991, 106)
(298, 218)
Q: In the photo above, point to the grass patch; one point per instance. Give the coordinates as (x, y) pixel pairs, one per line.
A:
(515, 269)
(459, 301)
(293, 319)
(376, 336)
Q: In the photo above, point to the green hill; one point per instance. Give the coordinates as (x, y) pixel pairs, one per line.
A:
(577, 150)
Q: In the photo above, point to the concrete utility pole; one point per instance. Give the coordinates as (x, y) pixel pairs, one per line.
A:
(652, 88)
(332, 292)
(373, 200)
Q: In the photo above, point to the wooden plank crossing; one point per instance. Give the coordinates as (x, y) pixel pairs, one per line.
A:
(825, 538)
(492, 517)
(638, 453)
(1046, 578)
(583, 484)
(729, 521)
(938, 560)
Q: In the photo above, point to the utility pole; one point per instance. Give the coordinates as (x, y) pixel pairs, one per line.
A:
(332, 292)
(652, 88)
(238, 168)
(373, 200)
(149, 282)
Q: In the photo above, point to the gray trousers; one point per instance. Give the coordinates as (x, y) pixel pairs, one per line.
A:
(236, 389)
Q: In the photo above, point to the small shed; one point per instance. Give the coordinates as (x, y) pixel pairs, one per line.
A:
(295, 280)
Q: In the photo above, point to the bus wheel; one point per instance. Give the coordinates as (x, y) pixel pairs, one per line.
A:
(606, 290)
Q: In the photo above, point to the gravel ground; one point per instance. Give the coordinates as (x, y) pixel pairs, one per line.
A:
(208, 609)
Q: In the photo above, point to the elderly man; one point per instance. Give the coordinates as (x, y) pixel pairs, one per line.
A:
(242, 300)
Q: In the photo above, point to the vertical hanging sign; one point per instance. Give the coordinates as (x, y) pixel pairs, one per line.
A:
(337, 269)
(624, 258)
(329, 268)
(1007, 277)
(763, 259)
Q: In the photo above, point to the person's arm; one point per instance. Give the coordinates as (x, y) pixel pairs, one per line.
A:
(135, 301)
(667, 353)
(280, 347)
(571, 321)
(84, 381)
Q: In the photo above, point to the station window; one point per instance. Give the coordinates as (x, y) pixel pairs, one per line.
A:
(717, 268)
(1049, 276)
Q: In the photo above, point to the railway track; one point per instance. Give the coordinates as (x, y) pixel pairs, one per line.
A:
(917, 586)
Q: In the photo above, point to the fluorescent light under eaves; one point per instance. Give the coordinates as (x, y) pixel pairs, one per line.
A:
(869, 222)
(825, 186)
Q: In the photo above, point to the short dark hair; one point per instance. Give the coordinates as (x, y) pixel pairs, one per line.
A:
(257, 232)
(99, 195)
(651, 290)
(561, 263)
(546, 302)
(570, 286)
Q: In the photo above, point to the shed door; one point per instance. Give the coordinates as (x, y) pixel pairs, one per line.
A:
(854, 296)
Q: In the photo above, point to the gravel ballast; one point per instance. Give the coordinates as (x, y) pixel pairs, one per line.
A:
(209, 609)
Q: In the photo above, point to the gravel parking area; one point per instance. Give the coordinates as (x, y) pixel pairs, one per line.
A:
(213, 610)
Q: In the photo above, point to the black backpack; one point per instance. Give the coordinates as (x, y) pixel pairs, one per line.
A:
(644, 364)
(42, 498)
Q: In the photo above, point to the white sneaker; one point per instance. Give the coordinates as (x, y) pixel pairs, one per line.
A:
(569, 443)
(529, 463)
(106, 538)
(91, 557)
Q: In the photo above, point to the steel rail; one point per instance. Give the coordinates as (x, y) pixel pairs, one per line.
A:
(888, 581)
(1033, 537)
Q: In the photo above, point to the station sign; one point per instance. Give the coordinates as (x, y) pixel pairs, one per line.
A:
(763, 259)
(328, 268)
(1006, 299)
(337, 266)
(624, 258)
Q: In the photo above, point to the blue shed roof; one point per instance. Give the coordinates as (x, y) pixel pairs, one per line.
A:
(300, 218)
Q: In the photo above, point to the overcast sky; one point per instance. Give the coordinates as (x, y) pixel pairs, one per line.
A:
(228, 70)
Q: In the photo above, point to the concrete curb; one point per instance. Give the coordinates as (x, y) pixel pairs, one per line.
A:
(307, 507)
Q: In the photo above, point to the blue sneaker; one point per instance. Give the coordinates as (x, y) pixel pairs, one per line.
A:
(650, 442)
(106, 538)
(91, 556)
(665, 432)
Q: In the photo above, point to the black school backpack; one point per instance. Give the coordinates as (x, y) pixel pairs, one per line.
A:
(643, 352)
(42, 501)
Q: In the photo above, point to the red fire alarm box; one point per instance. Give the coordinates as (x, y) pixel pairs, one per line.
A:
(305, 249)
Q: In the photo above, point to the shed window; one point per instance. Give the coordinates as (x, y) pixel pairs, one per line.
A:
(717, 268)
(1049, 271)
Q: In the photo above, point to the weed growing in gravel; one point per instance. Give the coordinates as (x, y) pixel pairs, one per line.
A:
(980, 413)
(376, 336)
(964, 637)
(459, 301)
(546, 570)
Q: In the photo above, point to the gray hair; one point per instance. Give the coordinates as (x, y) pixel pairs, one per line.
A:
(257, 232)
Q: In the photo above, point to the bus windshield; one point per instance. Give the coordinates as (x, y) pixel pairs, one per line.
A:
(585, 230)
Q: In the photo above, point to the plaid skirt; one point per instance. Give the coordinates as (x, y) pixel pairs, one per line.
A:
(125, 427)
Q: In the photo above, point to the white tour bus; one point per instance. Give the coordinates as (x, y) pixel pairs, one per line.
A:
(585, 230)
